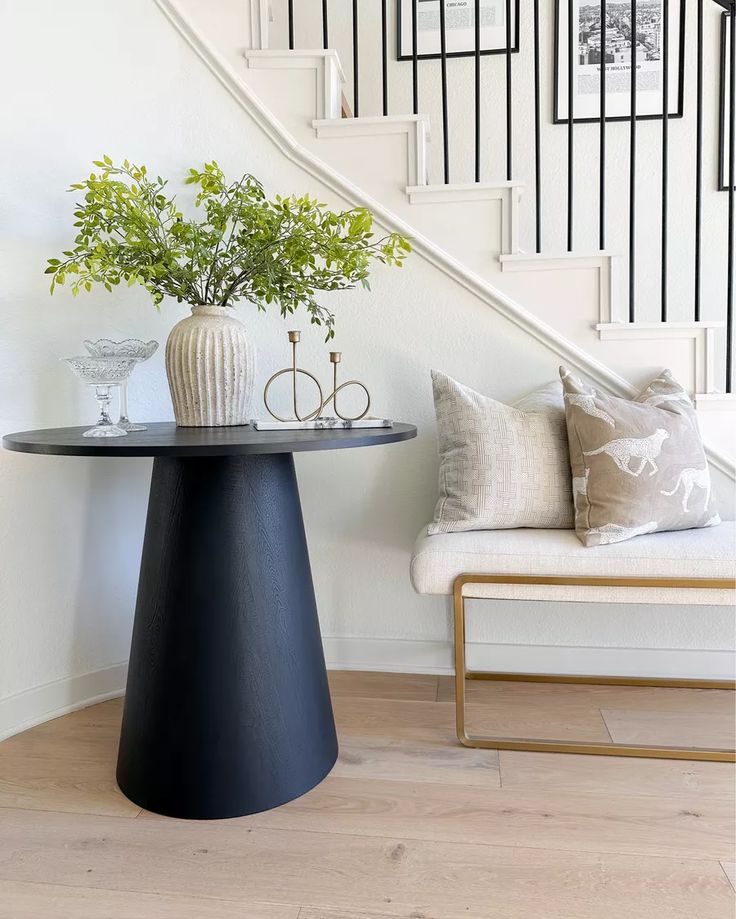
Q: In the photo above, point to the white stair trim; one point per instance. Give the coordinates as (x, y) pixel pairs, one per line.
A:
(261, 15)
(700, 333)
(416, 128)
(604, 262)
(546, 261)
(423, 247)
(327, 67)
(715, 401)
(489, 191)
(508, 193)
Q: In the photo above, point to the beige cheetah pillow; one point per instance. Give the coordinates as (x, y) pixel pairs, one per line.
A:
(638, 466)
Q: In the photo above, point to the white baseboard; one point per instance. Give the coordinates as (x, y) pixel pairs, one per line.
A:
(436, 657)
(43, 703)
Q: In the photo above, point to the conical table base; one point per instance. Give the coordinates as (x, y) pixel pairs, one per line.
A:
(227, 709)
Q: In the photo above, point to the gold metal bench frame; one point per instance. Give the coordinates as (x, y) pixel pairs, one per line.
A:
(554, 746)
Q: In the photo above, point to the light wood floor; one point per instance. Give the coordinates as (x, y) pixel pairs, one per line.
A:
(408, 826)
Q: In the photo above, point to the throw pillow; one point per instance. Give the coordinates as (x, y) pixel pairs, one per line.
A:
(638, 466)
(501, 466)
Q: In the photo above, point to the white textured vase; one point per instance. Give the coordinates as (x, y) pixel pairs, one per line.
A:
(210, 364)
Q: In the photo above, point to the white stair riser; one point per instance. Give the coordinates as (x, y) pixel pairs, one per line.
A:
(416, 129)
(508, 193)
(329, 78)
(607, 266)
(700, 335)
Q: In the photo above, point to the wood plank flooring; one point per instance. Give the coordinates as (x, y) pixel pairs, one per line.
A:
(409, 825)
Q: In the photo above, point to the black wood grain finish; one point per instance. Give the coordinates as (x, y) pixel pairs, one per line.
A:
(166, 439)
(227, 708)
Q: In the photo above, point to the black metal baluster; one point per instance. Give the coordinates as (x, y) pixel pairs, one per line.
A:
(477, 90)
(443, 66)
(602, 137)
(384, 53)
(537, 140)
(698, 159)
(731, 180)
(291, 25)
(571, 51)
(632, 171)
(414, 57)
(325, 26)
(509, 139)
(665, 149)
(356, 64)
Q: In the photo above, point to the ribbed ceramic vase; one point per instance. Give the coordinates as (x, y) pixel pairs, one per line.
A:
(210, 364)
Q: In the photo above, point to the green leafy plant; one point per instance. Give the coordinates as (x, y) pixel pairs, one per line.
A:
(240, 246)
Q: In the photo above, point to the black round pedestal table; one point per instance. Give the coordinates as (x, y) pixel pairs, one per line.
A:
(227, 708)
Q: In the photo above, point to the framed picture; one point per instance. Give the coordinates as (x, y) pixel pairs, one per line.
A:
(725, 104)
(589, 57)
(459, 27)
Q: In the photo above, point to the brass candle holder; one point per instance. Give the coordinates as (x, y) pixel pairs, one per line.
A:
(295, 370)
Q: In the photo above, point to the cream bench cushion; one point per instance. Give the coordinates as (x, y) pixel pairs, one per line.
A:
(707, 553)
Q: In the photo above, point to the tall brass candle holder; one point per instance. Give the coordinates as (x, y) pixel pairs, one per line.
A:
(295, 370)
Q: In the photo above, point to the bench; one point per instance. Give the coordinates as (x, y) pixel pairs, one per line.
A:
(692, 567)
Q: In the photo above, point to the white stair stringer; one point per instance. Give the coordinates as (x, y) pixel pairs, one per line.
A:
(416, 128)
(310, 163)
(508, 193)
(326, 64)
(700, 334)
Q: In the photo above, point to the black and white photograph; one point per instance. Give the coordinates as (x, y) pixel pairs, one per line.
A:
(725, 107)
(644, 44)
(460, 28)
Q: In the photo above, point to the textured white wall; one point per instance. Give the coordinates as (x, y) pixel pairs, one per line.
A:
(82, 80)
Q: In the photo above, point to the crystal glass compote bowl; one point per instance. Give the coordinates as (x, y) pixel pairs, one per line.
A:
(103, 373)
(133, 348)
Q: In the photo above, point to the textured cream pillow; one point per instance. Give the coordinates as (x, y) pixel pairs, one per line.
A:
(501, 466)
(638, 466)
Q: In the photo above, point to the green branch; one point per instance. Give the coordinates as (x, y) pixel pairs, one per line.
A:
(238, 245)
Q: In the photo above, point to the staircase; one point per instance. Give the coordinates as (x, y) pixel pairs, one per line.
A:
(472, 231)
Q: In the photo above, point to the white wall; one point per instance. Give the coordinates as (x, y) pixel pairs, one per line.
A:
(86, 80)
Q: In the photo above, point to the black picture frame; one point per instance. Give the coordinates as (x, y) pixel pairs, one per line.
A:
(722, 121)
(679, 48)
(403, 55)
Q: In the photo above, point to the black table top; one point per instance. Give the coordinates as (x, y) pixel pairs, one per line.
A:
(166, 439)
